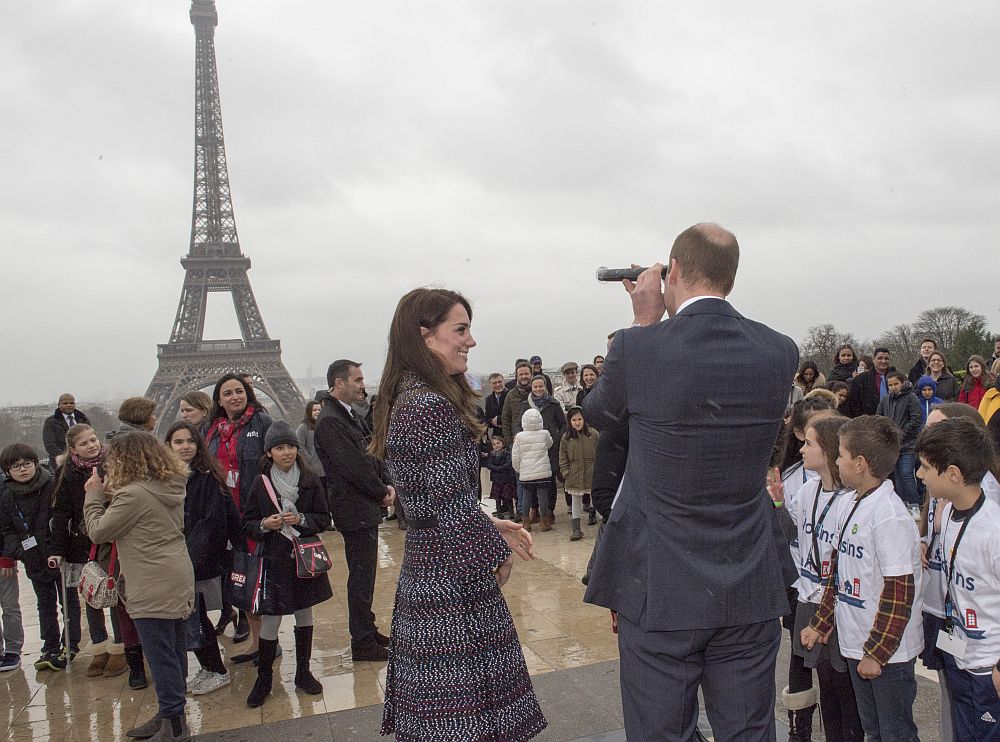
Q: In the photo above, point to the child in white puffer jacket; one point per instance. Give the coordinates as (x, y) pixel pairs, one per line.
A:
(530, 458)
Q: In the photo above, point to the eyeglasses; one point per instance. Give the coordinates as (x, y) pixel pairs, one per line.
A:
(20, 465)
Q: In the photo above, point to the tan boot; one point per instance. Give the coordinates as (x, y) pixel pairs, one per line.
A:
(546, 520)
(116, 662)
(99, 659)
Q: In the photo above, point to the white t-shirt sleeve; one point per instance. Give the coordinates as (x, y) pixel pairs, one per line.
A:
(894, 538)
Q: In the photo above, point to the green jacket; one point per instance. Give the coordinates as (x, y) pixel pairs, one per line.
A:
(514, 405)
(576, 461)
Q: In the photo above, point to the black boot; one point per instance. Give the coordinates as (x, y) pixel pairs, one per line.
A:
(242, 629)
(591, 517)
(303, 651)
(800, 707)
(136, 668)
(224, 620)
(262, 688)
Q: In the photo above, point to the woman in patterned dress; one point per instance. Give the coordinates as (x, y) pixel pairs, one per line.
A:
(456, 671)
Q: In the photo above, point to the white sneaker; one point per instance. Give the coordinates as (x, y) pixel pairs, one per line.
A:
(211, 683)
(196, 681)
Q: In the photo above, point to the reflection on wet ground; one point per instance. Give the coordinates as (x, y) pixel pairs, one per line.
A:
(557, 629)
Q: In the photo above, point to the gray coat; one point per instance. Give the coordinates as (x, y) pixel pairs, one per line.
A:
(690, 544)
(307, 447)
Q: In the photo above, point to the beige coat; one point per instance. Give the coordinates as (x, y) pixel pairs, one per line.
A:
(146, 520)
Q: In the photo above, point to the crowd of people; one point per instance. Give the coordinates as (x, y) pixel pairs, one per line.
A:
(876, 480)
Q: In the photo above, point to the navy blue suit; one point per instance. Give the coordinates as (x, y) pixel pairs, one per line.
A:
(687, 557)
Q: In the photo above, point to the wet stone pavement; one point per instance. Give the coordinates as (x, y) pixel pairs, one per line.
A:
(568, 645)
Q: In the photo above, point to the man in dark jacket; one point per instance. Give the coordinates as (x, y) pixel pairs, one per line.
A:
(927, 346)
(358, 488)
(536, 370)
(869, 387)
(55, 427)
(515, 404)
(494, 404)
(902, 406)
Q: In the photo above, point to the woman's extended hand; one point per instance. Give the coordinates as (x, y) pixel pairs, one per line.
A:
(516, 537)
(94, 483)
(503, 571)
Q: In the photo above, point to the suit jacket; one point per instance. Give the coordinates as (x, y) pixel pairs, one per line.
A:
(690, 542)
(54, 432)
(863, 397)
(493, 409)
(355, 482)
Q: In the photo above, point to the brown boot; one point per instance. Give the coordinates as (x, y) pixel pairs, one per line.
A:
(546, 522)
(99, 659)
(533, 515)
(116, 663)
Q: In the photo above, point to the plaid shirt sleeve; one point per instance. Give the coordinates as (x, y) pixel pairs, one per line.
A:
(893, 614)
(822, 621)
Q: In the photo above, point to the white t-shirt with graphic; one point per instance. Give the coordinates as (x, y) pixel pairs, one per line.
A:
(815, 515)
(991, 487)
(880, 539)
(975, 584)
(794, 479)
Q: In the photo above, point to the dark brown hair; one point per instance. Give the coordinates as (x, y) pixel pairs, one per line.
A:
(874, 437)
(307, 418)
(986, 378)
(408, 352)
(217, 408)
(136, 411)
(827, 430)
(957, 442)
(709, 255)
(202, 461)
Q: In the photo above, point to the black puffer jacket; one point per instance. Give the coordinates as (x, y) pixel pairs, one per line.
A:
(24, 514)
(211, 521)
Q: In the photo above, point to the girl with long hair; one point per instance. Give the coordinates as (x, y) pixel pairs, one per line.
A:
(576, 465)
(977, 381)
(845, 364)
(196, 408)
(210, 521)
(809, 377)
(306, 433)
(452, 634)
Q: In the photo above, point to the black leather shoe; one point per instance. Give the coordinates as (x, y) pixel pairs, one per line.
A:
(381, 639)
(369, 653)
(242, 630)
(224, 620)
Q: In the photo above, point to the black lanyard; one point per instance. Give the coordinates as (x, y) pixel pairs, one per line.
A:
(840, 538)
(950, 566)
(814, 557)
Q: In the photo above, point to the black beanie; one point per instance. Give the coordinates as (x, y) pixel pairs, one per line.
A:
(279, 433)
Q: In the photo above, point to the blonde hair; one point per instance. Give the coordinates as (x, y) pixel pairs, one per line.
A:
(825, 394)
(134, 457)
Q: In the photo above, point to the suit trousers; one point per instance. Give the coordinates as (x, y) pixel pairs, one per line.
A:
(661, 672)
(361, 550)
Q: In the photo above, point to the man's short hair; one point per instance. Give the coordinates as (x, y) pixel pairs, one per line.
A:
(17, 452)
(932, 341)
(960, 443)
(496, 375)
(896, 375)
(874, 437)
(709, 256)
(136, 411)
(881, 350)
(521, 363)
(339, 369)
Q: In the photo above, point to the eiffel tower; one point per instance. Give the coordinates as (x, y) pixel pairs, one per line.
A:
(215, 262)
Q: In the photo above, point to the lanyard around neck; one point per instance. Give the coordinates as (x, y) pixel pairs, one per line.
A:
(950, 564)
(814, 552)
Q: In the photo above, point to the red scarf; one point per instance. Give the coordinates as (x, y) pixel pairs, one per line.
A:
(229, 434)
(88, 463)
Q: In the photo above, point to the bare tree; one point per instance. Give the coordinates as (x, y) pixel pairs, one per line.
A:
(946, 324)
(822, 341)
(903, 344)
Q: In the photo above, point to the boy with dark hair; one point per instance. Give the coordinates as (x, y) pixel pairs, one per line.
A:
(875, 583)
(902, 407)
(24, 529)
(955, 455)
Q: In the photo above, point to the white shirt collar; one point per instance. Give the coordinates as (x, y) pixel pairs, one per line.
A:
(693, 299)
(350, 410)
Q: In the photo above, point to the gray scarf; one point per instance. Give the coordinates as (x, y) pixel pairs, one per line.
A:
(286, 487)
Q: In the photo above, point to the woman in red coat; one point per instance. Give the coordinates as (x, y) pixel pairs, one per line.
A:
(976, 382)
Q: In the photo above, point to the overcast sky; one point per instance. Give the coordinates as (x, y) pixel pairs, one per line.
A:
(503, 149)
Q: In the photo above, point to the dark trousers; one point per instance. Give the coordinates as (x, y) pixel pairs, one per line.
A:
(973, 698)
(885, 704)
(130, 637)
(661, 672)
(538, 492)
(361, 550)
(164, 645)
(837, 705)
(98, 628)
(49, 597)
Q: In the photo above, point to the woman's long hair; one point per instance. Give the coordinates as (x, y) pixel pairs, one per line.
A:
(217, 408)
(827, 430)
(308, 418)
(572, 412)
(72, 435)
(854, 355)
(202, 461)
(801, 412)
(986, 379)
(408, 352)
(134, 457)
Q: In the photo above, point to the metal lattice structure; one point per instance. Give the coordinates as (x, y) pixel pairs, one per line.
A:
(215, 262)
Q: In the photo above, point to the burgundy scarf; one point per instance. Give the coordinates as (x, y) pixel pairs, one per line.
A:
(229, 434)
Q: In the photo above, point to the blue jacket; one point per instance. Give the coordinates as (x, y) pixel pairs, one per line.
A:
(927, 404)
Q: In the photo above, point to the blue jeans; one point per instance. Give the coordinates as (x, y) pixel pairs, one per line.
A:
(164, 644)
(906, 480)
(49, 596)
(538, 491)
(885, 704)
(972, 698)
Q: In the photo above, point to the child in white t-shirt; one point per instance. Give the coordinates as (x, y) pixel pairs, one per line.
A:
(814, 512)
(954, 456)
(874, 588)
